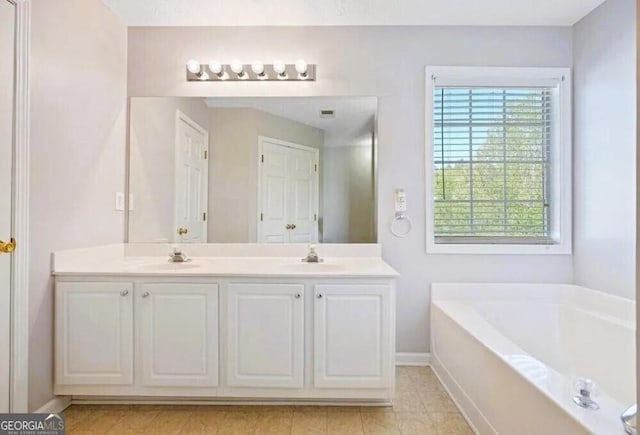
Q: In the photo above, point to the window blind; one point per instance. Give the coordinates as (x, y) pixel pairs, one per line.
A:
(491, 164)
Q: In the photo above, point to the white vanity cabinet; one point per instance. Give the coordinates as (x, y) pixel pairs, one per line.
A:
(94, 333)
(265, 335)
(177, 334)
(352, 343)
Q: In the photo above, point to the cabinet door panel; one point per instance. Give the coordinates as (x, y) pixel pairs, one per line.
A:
(352, 327)
(94, 333)
(178, 334)
(265, 335)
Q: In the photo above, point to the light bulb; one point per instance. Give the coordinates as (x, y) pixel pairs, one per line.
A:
(301, 67)
(279, 67)
(257, 67)
(237, 67)
(215, 67)
(193, 66)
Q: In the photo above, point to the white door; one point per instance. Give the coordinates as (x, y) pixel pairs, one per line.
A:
(94, 333)
(265, 335)
(178, 334)
(352, 336)
(303, 184)
(192, 148)
(288, 193)
(7, 56)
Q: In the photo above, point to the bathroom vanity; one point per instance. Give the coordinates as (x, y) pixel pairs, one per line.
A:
(237, 322)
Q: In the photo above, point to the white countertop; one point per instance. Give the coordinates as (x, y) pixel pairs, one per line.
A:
(129, 260)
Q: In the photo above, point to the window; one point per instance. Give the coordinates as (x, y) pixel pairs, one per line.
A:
(498, 160)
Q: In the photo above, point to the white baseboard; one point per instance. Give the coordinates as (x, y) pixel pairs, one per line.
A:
(413, 359)
(55, 405)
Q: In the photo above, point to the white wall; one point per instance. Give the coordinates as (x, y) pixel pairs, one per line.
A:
(387, 62)
(233, 167)
(605, 148)
(152, 163)
(78, 129)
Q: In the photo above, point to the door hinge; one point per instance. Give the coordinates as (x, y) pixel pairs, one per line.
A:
(315, 217)
(262, 158)
(261, 217)
(206, 153)
(315, 168)
(204, 216)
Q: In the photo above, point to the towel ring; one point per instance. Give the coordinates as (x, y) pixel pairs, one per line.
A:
(397, 219)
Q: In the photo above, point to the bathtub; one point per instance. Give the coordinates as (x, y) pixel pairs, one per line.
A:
(510, 355)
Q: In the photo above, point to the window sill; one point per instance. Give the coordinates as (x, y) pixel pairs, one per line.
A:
(497, 249)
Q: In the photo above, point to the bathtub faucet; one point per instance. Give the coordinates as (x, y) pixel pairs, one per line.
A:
(585, 389)
(629, 420)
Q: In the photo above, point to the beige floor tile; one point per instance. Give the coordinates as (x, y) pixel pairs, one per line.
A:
(437, 401)
(169, 421)
(309, 420)
(411, 423)
(379, 421)
(274, 422)
(204, 420)
(451, 423)
(240, 420)
(135, 421)
(99, 420)
(345, 420)
(408, 401)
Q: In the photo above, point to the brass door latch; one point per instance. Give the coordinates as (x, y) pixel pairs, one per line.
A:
(182, 231)
(9, 247)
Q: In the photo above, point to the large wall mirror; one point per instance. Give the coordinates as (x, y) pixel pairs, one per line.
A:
(252, 170)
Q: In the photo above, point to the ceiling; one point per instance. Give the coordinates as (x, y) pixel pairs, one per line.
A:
(351, 12)
(352, 124)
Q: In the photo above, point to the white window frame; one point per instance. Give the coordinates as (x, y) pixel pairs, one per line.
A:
(560, 173)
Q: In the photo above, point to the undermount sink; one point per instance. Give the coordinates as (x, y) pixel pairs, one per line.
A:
(168, 265)
(313, 267)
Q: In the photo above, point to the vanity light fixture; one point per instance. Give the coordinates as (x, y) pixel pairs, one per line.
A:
(301, 68)
(258, 68)
(216, 71)
(238, 68)
(281, 69)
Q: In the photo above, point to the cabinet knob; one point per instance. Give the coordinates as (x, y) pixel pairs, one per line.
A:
(297, 296)
(124, 292)
(319, 295)
(145, 294)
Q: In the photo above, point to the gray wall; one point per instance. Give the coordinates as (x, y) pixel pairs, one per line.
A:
(348, 195)
(605, 148)
(152, 163)
(78, 129)
(387, 62)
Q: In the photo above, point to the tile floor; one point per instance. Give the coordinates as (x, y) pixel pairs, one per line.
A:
(421, 407)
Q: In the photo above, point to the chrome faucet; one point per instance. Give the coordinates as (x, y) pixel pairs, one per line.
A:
(312, 256)
(628, 419)
(584, 398)
(177, 256)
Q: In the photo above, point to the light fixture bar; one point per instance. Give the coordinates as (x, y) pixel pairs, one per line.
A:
(224, 73)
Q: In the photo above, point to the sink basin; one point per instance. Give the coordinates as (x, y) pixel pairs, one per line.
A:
(168, 266)
(313, 267)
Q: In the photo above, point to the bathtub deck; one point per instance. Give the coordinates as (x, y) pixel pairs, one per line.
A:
(421, 407)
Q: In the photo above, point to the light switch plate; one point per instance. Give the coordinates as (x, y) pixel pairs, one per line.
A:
(119, 201)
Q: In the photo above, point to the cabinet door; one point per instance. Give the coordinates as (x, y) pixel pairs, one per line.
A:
(265, 335)
(352, 336)
(93, 333)
(178, 334)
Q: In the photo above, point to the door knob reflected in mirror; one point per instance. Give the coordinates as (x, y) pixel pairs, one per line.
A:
(8, 247)
(293, 226)
(182, 231)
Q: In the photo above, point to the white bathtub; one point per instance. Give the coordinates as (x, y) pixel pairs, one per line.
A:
(510, 354)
